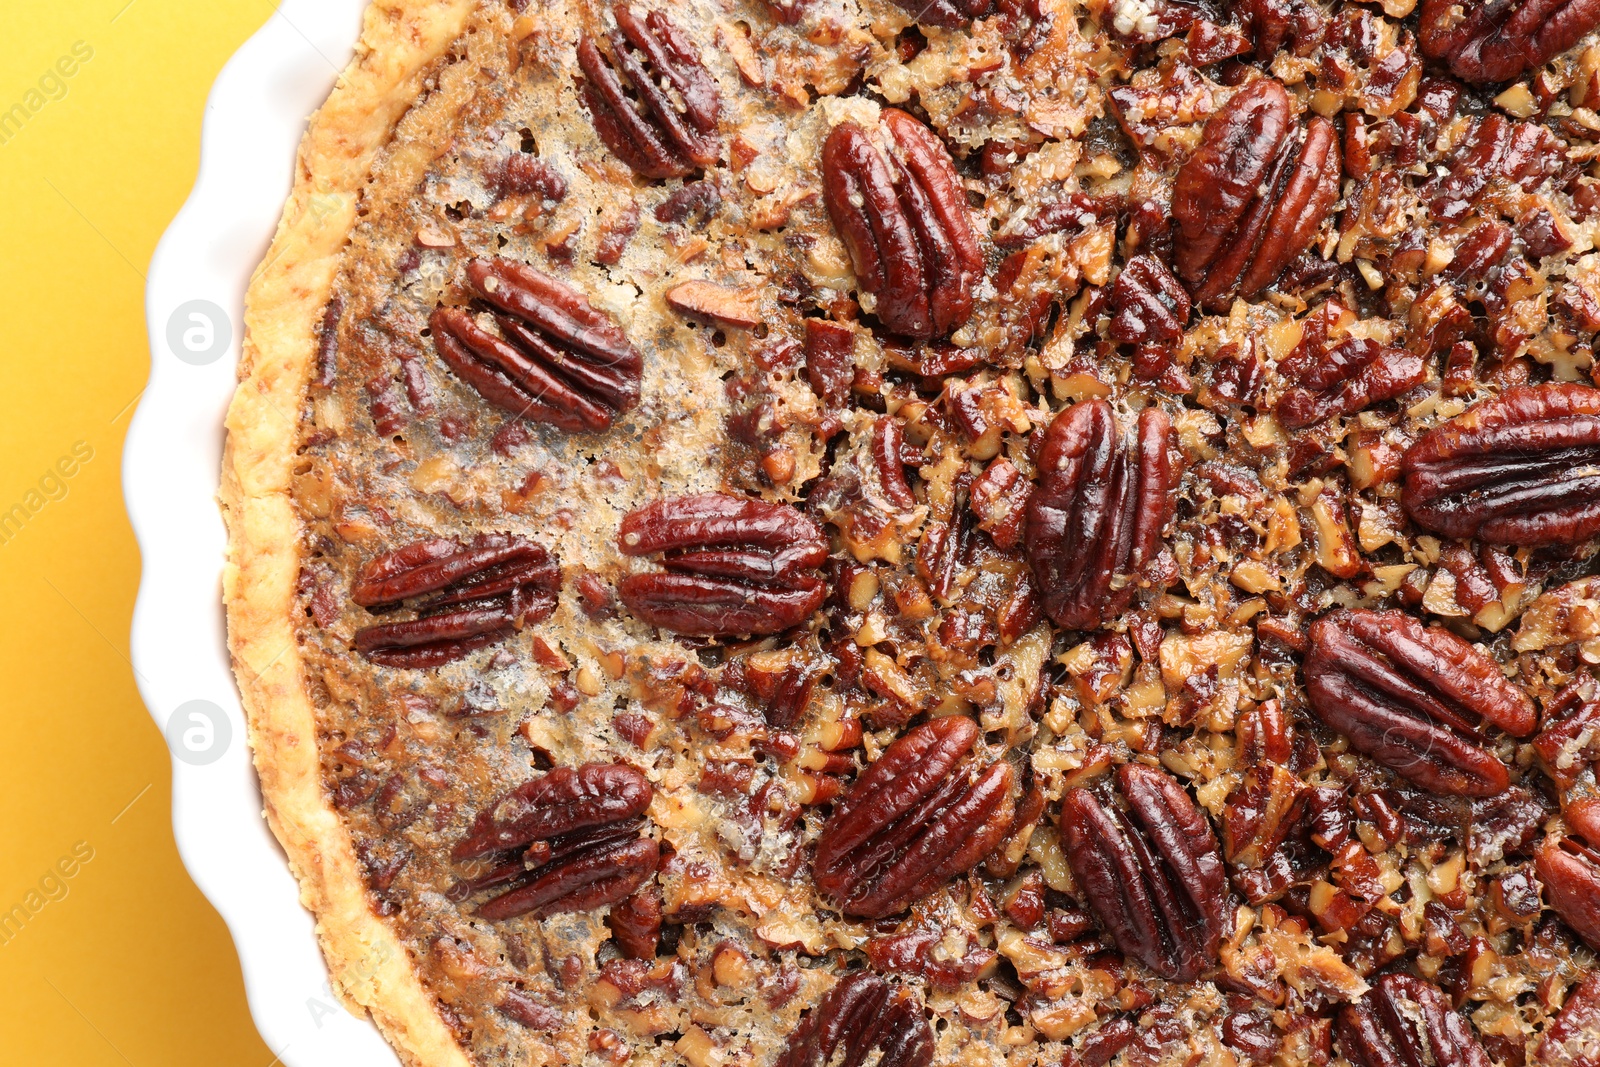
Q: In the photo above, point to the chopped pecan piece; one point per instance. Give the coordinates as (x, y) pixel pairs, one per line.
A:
(733, 565)
(1406, 1022)
(1260, 813)
(1094, 521)
(1148, 304)
(920, 953)
(1521, 469)
(521, 1008)
(578, 834)
(903, 217)
(707, 300)
(1495, 150)
(1272, 24)
(522, 175)
(1569, 741)
(1346, 379)
(557, 359)
(915, 819)
(1569, 867)
(1499, 40)
(861, 1015)
(667, 128)
(464, 595)
(636, 923)
(1151, 874)
(1414, 699)
(1573, 1040)
(947, 14)
(830, 360)
(1252, 196)
(999, 501)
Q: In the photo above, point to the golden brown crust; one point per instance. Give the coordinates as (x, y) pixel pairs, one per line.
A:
(369, 966)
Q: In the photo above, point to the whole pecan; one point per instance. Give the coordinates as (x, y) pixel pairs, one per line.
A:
(916, 818)
(577, 831)
(733, 565)
(1569, 867)
(1345, 379)
(556, 358)
(1253, 195)
(1414, 699)
(1094, 521)
(903, 218)
(1520, 469)
(463, 595)
(1151, 873)
(1498, 40)
(860, 1015)
(667, 128)
(1406, 1022)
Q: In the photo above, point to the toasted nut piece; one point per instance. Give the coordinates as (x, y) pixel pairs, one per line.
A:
(707, 300)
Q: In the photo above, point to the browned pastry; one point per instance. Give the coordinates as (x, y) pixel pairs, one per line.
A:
(1044, 533)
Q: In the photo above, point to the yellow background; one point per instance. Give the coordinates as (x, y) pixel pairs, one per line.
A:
(131, 967)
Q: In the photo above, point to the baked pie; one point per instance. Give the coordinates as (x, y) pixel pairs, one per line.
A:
(1028, 532)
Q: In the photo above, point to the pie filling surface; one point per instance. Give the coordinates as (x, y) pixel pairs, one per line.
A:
(1005, 532)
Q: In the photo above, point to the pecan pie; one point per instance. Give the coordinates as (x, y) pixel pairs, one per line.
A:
(1045, 533)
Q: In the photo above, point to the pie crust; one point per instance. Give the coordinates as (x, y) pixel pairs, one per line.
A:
(368, 966)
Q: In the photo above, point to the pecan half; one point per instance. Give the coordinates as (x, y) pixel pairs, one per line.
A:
(903, 218)
(1499, 40)
(1520, 469)
(1414, 699)
(1152, 874)
(915, 819)
(1569, 867)
(1346, 379)
(667, 127)
(1252, 196)
(1094, 521)
(578, 834)
(1406, 1022)
(861, 1015)
(556, 358)
(463, 595)
(733, 565)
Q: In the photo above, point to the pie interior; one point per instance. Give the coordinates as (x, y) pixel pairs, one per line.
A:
(1031, 532)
